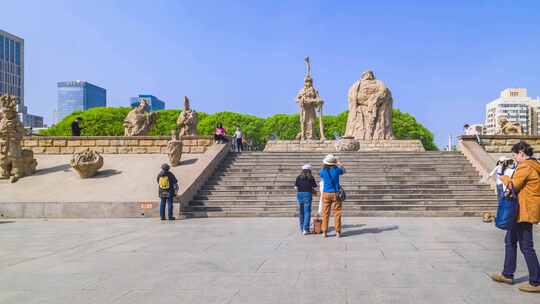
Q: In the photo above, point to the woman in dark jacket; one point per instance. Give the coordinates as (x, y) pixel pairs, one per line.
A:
(305, 185)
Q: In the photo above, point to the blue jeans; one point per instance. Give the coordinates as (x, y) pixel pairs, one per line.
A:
(164, 201)
(304, 209)
(521, 233)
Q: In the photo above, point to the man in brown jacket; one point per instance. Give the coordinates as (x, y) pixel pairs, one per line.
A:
(526, 182)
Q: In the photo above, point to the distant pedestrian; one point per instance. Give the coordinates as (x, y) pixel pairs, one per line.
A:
(219, 134)
(239, 140)
(168, 186)
(526, 182)
(332, 169)
(76, 127)
(305, 187)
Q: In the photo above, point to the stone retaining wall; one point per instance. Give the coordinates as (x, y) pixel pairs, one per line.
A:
(329, 146)
(503, 143)
(113, 144)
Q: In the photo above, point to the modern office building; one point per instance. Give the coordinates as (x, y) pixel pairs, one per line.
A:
(79, 96)
(12, 75)
(517, 107)
(154, 103)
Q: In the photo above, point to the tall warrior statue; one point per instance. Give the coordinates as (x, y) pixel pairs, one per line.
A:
(14, 161)
(370, 109)
(187, 121)
(310, 102)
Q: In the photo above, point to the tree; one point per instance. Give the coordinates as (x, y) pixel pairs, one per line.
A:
(108, 122)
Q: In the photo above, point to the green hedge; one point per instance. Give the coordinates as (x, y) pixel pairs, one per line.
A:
(108, 122)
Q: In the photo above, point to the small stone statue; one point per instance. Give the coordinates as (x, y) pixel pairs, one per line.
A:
(370, 109)
(139, 121)
(310, 102)
(507, 127)
(87, 163)
(187, 121)
(174, 149)
(14, 161)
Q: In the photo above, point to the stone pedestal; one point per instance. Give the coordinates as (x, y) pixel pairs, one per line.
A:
(345, 145)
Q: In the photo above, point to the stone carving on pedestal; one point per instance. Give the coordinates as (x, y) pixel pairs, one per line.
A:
(139, 121)
(14, 161)
(87, 163)
(310, 102)
(187, 121)
(347, 144)
(370, 110)
(506, 127)
(174, 150)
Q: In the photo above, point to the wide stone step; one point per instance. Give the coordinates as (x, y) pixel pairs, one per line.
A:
(356, 179)
(293, 175)
(355, 201)
(277, 169)
(346, 213)
(292, 192)
(380, 187)
(346, 183)
(350, 208)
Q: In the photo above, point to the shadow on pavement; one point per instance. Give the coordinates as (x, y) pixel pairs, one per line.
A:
(188, 161)
(7, 222)
(370, 230)
(64, 167)
(107, 173)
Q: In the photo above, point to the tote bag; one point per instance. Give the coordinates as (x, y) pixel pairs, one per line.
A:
(507, 211)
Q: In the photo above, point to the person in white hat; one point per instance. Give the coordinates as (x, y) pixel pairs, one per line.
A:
(305, 186)
(330, 173)
(505, 166)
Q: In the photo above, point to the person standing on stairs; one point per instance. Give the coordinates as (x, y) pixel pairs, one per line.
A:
(305, 187)
(332, 169)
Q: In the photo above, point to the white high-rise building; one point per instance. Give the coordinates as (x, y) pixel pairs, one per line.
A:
(517, 107)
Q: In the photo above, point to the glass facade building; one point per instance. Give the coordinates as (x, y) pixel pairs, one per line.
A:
(155, 103)
(79, 96)
(12, 76)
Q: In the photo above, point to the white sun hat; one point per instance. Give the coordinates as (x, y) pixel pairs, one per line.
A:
(306, 167)
(330, 160)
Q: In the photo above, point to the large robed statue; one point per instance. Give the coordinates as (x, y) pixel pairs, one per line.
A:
(370, 109)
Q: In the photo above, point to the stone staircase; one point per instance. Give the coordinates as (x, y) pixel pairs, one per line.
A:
(255, 184)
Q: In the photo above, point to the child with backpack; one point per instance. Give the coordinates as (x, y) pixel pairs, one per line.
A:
(168, 186)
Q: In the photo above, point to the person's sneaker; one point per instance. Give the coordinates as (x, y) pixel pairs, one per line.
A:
(497, 277)
(163, 219)
(305, 232)
(527, 287)
(172, 218)
(324, 234)
(338, 235)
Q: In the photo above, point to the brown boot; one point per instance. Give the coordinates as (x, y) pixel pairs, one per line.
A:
(527, 287)
(497, 277)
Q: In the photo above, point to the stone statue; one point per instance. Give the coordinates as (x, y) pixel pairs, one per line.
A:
(174, 149)
(14, 161)
(370, 110)
(187, 121)
(139, 121)
(87, 163)
(507, 127)
(310, 102)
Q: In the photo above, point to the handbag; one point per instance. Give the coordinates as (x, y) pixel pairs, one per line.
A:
(317, 225)
(341, 194)
(507, 210)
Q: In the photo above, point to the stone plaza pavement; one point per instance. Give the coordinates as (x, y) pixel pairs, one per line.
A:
(253, 260)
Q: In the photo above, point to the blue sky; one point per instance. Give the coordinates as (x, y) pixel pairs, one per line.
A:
(442, 60)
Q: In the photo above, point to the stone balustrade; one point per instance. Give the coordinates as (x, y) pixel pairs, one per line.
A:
(330, 146)
(503, 143)
(113, 144)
